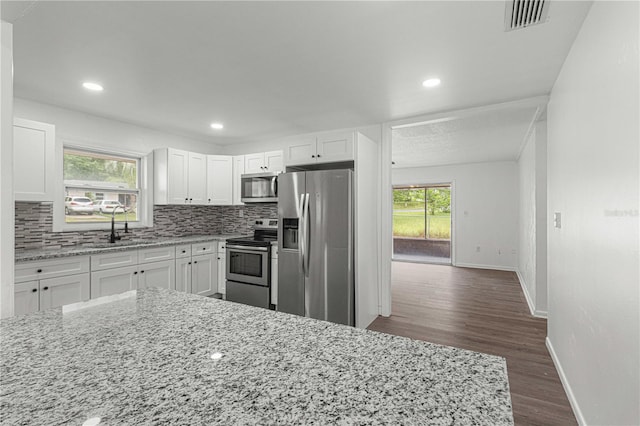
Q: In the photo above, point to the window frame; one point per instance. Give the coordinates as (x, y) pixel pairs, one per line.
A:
(145, 190)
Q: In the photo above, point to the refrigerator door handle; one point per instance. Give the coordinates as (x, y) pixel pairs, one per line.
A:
(307, 238)
(301, 231)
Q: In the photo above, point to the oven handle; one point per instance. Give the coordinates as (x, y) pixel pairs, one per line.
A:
(247, 249)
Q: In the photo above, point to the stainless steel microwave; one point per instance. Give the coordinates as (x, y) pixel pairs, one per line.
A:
(259, 188)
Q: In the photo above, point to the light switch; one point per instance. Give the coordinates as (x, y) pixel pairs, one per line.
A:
(557, 220)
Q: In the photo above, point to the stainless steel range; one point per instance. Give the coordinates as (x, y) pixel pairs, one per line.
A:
(249, 266)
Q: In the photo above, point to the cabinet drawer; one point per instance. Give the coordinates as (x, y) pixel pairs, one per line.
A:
(203, 248)
(183, 250)
(114, 260)
(42, 269)
(156, 254)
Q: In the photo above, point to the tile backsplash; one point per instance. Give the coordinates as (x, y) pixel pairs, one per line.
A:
(34, 224)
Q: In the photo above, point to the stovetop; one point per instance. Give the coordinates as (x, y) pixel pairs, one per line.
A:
(265, 233)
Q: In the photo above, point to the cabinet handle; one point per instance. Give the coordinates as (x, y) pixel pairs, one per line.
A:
(189, 263)
(218, 258)
(45, 288)
(184, 251)
(186, 199)
(135, 273)
(209, 199)
(190, 199)
(35, 290)
(204, 248)
(195, 261)
(318, 155)
(39, 270)
(142, 272)
(313, 156)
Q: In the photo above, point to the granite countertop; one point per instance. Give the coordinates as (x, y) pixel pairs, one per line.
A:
(105, 247)
(147, 359)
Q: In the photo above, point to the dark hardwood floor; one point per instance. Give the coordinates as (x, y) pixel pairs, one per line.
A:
(483, 311)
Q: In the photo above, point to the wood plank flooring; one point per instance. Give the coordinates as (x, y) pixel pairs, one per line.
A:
(483, 311)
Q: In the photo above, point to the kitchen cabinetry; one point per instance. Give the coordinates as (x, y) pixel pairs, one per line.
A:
(51, 283)
(113, 273)
(219, 180)
(323, 148)
(222, 267)
(238, 170)
(274, 274)
(179, 177)
(197, 268)
(263, 162)
(34, 160)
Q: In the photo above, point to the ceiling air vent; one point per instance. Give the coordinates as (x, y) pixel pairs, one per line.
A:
(523, 13)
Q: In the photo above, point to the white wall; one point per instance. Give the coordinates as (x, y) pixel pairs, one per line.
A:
(89, 130)
(7, 222)
(532, 237)
(372, 132)
(593, 165)
(485, 202)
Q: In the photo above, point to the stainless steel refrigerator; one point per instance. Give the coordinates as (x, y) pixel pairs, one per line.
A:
(315, 245)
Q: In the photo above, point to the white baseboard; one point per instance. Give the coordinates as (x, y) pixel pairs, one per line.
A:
(565, 384)
(527, 296)
(494, 267)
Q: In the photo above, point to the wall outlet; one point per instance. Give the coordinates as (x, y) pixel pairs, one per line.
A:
(557, 220)
(240, 213)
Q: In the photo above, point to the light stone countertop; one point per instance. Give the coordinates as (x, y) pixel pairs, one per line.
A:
(105, 247)
(146, 359)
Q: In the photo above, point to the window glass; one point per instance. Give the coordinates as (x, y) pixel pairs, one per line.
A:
(99, 186)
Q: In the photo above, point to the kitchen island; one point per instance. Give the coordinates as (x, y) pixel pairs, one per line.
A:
(158, 356)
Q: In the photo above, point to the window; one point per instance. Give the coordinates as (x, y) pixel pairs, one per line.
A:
(100, 185)
(422, 212)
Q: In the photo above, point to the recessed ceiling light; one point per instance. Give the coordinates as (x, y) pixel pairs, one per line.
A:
(92, 86)
(217, 126)
(432, 82)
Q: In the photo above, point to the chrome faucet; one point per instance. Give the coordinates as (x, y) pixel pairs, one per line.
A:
(113, 237)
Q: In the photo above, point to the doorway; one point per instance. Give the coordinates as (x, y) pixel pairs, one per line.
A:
(422, 223)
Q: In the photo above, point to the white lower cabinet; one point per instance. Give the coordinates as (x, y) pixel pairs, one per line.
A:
(183, 274)
(204, 275)
(222, 267)
(32, 296)
(48, 284)
(114, 281)
(157, 274)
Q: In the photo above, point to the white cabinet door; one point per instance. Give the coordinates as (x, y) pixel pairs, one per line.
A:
(273, 161)
(301, 151)
(177, 176)
(61, 291)
(335, 147)
(204, 275)
(114, 281)
(157, 274)
(183, 274)
(26, 298)
(222, 274)
(238, 170)
(254, 163)
(274, 280)
(197, 178)
(34, 160)
(219, 180)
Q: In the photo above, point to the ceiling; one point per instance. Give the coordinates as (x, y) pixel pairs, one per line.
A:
(272, 69)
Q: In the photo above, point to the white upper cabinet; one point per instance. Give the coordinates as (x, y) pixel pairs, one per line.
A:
(263, 162)
(219, 179)
(180, 177)
(238, 170)
(34, 160)
(324, 148)
(197, 187)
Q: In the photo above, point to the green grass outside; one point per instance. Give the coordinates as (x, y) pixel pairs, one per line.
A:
(412, 224)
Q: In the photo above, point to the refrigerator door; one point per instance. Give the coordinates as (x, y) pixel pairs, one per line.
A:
(329, 284)
(291, 196)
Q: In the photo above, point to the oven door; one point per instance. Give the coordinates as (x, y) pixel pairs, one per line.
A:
(248, 264)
